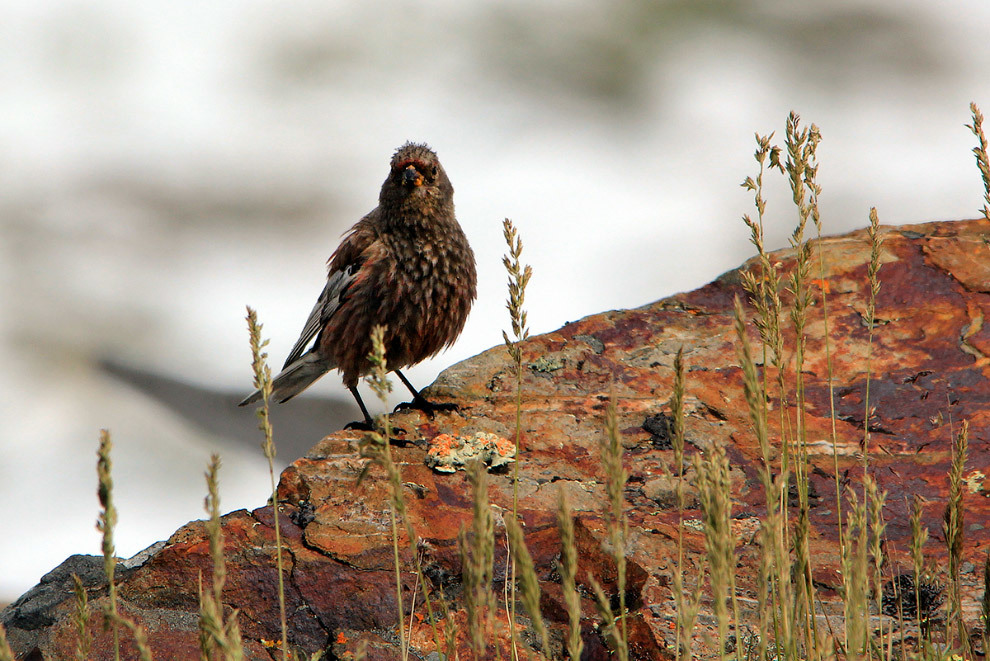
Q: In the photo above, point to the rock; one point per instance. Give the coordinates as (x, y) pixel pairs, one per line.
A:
(662, 490)
(35, 608)
(929, 365)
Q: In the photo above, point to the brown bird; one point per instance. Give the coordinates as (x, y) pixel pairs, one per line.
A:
(407, 266)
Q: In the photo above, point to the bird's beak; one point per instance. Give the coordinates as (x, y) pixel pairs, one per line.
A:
(412, 176)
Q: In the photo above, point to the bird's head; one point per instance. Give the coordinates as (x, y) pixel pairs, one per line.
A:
(416, 178)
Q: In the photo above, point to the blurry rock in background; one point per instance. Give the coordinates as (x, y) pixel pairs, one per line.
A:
(218, 415)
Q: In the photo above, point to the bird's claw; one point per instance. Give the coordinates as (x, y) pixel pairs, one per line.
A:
(365, 426)
(359, 425)
(426, 406)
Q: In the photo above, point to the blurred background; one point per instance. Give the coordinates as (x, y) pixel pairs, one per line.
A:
(162, 164)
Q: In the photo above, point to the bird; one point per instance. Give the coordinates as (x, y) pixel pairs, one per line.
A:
(407, 266)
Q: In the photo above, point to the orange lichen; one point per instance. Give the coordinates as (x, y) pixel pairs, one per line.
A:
(449, 452)
(444, 444)
(504, 446)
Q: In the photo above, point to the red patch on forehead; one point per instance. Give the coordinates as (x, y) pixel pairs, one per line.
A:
(415, 162)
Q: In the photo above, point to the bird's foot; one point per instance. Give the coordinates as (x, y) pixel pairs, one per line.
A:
(426, 406)
(359, 425)
(398, 437)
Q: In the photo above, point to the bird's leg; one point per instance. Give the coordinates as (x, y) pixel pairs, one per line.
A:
(368, 424)
(420, 402)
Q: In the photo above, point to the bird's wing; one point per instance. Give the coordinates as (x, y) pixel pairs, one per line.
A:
(345, 264)
(326, 305)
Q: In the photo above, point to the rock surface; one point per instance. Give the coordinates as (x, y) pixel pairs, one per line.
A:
(929, 372)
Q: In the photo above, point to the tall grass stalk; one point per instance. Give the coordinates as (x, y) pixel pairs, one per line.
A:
(801, 145)
(763, 289)
(773, 537)
(568, 575)
(140, 635)
(952, 528)
(449, 629)
(615, 484)
(375, 447)
(855, 577)
(875, 503)
(714, 491)
(80, 618)
(206, 621)
(105, 524)
(801, 166)
(263, 382)
(764, 592)
(859, 573)
(528, 583)
(217, 633)
(682, 628)
(764, 294)
(876, 242)
(980, 151)
(519, 276)
(609, 621)
(477, 560)
(919, 536)
(687, 609)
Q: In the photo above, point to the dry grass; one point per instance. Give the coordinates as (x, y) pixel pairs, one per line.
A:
(615, 484)
(980, 151)
(263, 382)
(477, 560)
(568, 574)
(519, 276)
(218, 633)
(105, 524)
(376, 448)
(80, 617)
(786, 627)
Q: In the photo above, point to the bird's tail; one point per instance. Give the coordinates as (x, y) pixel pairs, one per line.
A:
(294, 378)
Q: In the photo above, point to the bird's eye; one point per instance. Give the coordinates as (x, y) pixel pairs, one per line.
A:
(434, 170)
